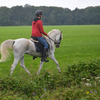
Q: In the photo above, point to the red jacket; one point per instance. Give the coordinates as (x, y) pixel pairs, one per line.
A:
(37, 29)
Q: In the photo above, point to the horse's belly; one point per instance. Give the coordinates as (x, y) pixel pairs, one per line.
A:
(34, 54)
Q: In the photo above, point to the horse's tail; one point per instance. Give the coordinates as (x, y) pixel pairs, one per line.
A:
(7, 44)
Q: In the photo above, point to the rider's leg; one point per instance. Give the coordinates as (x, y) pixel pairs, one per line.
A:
(44, 55)
(43, 41)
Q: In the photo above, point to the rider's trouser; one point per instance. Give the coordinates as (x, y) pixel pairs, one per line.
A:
(43, 41)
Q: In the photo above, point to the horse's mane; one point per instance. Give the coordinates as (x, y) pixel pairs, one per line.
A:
(52, 31)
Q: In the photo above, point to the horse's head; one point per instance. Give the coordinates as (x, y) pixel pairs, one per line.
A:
(56, 37)
(58, 40)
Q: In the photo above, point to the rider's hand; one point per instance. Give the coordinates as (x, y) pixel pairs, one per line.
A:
(47, 35)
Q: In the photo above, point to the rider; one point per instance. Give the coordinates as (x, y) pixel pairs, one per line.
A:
(38, 32)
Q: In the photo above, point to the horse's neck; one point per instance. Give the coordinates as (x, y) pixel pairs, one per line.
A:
(52, 35)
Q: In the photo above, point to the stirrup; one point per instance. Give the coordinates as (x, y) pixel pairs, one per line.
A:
(44, 60)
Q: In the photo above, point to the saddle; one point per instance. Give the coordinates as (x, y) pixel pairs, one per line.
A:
(38, 45)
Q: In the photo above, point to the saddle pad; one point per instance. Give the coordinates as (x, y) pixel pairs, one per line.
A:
(38, 45)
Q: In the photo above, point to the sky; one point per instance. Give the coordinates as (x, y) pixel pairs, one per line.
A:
(71, 4)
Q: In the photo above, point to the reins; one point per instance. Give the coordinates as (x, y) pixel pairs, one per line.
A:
(51, 39)
(54, 41)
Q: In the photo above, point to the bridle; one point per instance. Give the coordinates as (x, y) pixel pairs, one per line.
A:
(56, 42)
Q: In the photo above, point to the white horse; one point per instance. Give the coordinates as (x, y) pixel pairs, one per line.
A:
(26, 46)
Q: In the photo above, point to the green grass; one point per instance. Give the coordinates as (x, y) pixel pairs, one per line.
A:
(81, 43)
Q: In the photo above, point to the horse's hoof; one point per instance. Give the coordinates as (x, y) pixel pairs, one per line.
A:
(31, 75)
(37, 74)
(59, 71)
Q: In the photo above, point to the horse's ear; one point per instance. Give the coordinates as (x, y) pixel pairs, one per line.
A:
(61, 32)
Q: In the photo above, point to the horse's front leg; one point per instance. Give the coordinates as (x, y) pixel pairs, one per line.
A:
(54, 59)
(40, 67)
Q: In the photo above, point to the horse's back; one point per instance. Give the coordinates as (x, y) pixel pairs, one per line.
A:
(24, 45)
(21, 41)
(20, 45)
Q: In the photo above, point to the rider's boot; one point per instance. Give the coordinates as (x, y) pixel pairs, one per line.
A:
(44, 56)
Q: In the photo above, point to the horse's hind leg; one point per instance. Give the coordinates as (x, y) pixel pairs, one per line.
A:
(23, 65)
(40, 67)
(14, 65)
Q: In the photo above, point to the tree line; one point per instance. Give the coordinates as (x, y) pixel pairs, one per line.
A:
(19, 15)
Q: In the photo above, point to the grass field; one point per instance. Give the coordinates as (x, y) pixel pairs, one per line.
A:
(81, 43)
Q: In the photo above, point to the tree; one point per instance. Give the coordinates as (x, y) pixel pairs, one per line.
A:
(19, 15)
(16, 14)
(4, 16)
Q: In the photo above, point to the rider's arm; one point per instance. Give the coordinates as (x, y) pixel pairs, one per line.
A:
(41, 28)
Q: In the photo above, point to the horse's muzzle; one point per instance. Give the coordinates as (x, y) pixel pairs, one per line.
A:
(57, 46)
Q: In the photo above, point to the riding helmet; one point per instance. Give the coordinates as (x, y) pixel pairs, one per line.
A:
(38, 12)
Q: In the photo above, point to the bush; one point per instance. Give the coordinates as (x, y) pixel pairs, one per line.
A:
(73, 83)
